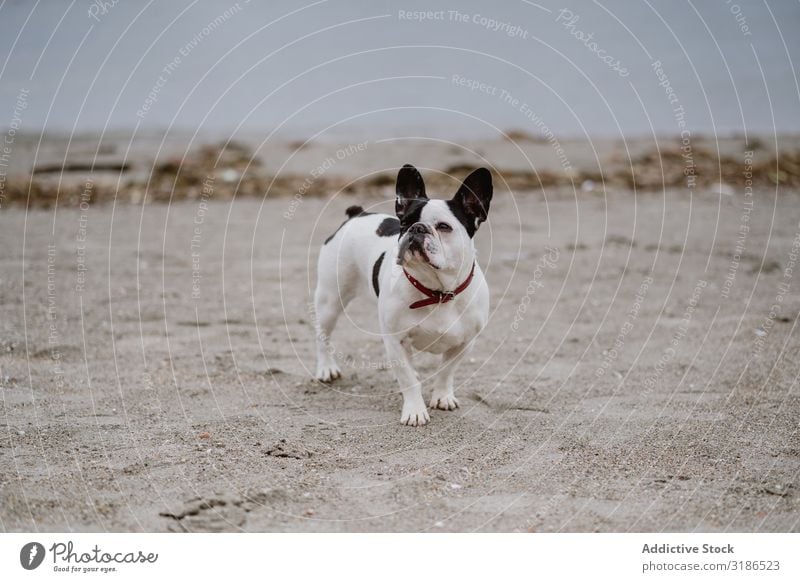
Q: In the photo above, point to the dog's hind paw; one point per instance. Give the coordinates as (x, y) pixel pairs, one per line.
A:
(328, 373)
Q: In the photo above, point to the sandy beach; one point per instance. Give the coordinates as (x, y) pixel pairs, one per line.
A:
(638, 373)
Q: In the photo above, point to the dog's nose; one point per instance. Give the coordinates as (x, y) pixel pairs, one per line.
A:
(419, 228)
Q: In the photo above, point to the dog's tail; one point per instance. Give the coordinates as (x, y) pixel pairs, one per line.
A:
(354, 211)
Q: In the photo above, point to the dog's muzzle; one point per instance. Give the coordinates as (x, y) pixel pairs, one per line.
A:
(419, 229)
(416, 240)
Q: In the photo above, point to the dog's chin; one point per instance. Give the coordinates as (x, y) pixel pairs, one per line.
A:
(418, 252)
(418, 257)
(415, 259)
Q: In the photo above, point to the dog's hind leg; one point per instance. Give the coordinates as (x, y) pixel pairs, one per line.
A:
(328, 308)
(330, 299)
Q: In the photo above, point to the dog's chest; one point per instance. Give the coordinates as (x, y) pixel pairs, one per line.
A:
(441, 328)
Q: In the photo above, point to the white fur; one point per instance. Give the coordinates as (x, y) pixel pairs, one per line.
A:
(345, 271)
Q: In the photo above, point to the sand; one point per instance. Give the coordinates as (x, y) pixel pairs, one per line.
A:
(156, 360)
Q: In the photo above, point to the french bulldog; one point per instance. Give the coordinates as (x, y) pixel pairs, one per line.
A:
(421, 269)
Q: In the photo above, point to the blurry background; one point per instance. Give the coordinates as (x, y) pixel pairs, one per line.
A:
(304, 67)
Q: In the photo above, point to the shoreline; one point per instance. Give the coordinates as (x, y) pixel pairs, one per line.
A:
(160, 169)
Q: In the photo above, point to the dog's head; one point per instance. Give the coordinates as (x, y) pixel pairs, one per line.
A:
(438, 233)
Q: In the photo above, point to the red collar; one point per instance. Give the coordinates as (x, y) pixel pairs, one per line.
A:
(435, 296)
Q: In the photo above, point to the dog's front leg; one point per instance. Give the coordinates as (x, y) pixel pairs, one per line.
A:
(443, 396)
(415, 413)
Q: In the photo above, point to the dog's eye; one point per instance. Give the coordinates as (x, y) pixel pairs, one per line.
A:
(444, 227)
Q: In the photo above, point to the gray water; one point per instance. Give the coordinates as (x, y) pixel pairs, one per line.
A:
(345, 68)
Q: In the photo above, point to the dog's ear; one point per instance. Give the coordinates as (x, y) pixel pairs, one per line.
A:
(410, 190)
(471, 202)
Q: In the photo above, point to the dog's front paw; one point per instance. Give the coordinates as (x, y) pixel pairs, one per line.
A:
(328, 372)
(415, 414)
(444, 401)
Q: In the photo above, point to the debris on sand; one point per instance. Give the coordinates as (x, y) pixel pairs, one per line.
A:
(231, 170)
(778, 490)
(82, 167)
(283, 450)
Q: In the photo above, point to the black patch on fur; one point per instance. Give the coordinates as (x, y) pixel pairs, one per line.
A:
(410, 184)
(411, 196)
(471, 203)
(351, 212)
(412, 216)
(389, 227)
(467, 221)
(376, 271)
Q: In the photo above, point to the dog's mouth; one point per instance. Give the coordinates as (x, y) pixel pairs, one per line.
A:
(418, 248)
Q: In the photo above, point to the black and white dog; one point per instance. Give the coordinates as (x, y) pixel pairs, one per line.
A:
(422, 269)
